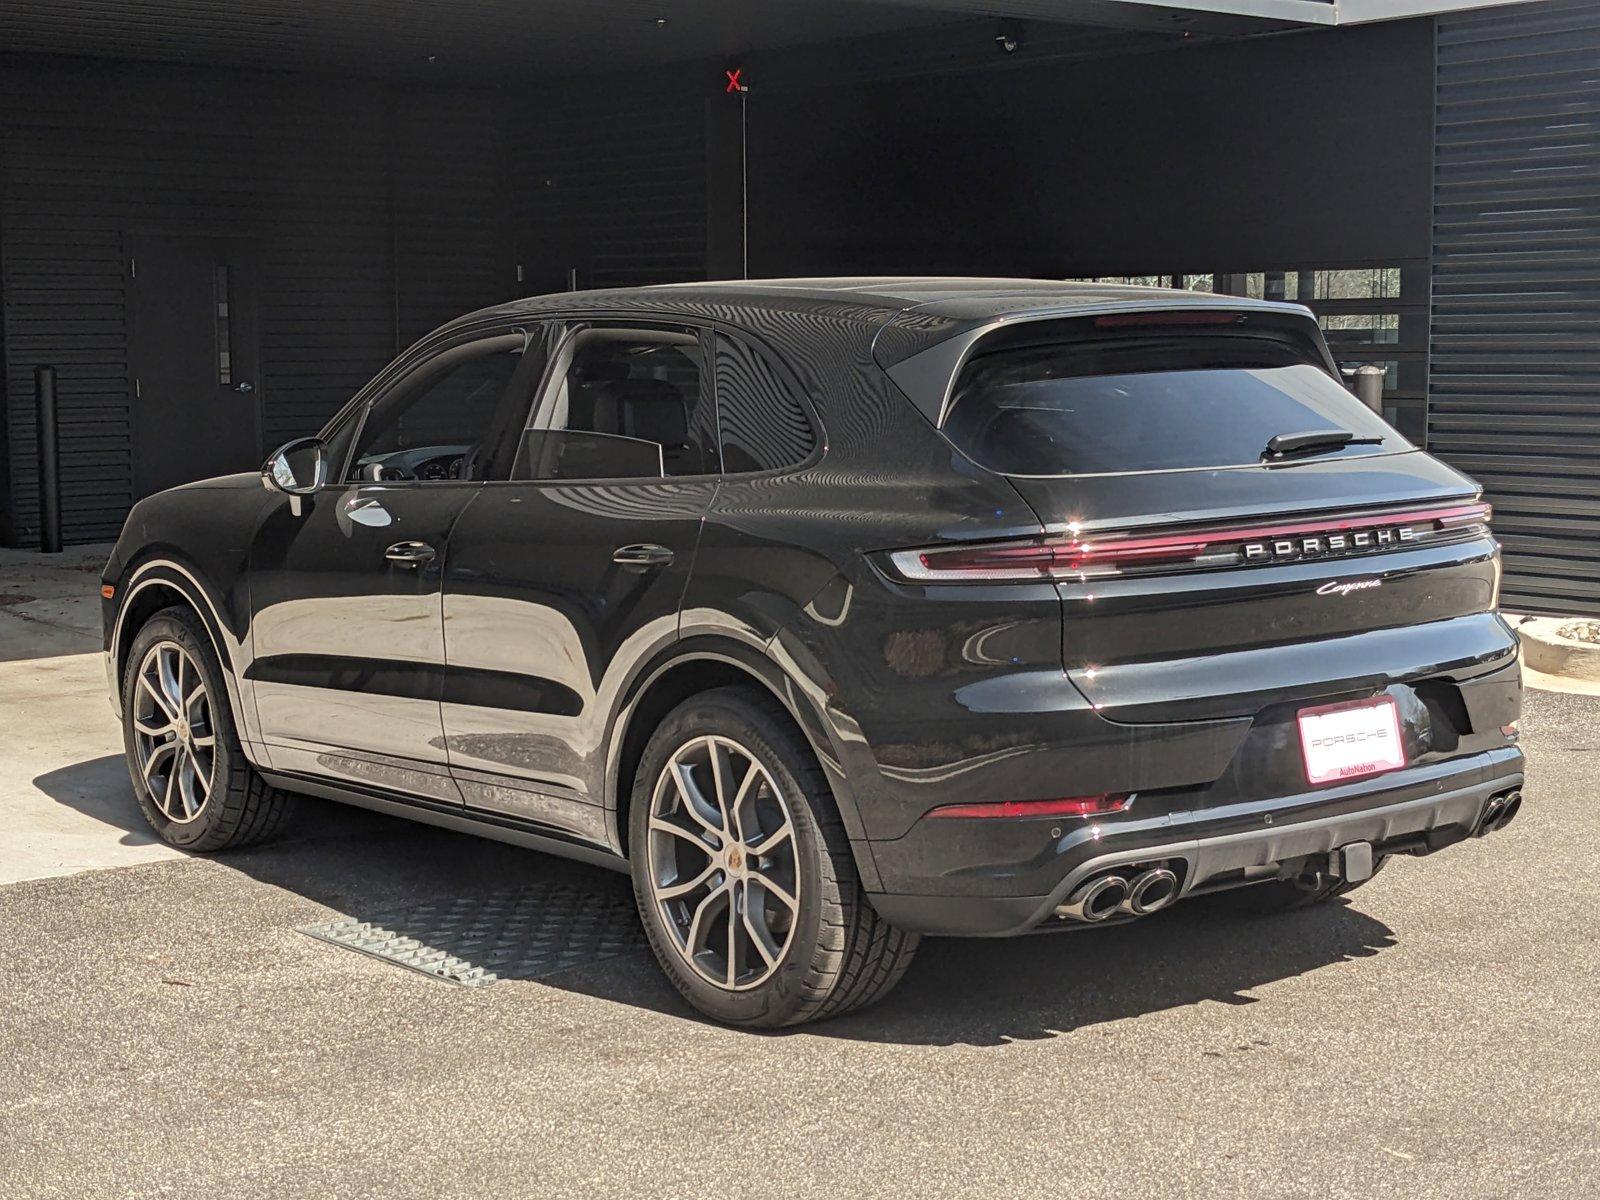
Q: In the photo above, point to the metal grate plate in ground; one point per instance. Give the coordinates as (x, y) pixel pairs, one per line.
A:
(474, 941)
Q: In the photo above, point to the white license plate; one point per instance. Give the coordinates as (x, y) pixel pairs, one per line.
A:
(1351, 741)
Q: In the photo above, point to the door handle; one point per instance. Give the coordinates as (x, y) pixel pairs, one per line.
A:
(245, 388)
(642, 556)
(410, 554)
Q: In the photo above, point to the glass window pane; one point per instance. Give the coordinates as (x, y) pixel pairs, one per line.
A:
(1361, 329)
(1365, 283)
(632, 404)
(223, 286)
(1272, 285)
(1160, 281)
(432, 427)
(764, 427)
(1131, 404)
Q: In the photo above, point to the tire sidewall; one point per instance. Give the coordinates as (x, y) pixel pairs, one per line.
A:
(793, 986)
(174, 625)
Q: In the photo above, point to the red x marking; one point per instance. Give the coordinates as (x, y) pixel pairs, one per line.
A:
(734, 85)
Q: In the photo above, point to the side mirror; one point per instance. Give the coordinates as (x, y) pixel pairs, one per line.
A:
(296, 469)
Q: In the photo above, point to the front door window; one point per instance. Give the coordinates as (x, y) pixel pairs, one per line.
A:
(437, 426)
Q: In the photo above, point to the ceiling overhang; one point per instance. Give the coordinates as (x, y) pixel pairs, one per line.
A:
(1279, 12)
(520, 41)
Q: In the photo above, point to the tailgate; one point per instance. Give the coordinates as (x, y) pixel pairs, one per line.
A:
(1300, 589)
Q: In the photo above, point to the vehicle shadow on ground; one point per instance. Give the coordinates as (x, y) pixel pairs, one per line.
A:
(958, 992)
(990, 992)
(100, 788)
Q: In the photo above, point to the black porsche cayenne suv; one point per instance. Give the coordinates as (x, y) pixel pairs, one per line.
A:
(841, 612)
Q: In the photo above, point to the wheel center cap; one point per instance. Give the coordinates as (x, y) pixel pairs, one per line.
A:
(735, 859)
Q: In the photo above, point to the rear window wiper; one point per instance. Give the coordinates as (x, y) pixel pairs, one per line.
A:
(1285, 444)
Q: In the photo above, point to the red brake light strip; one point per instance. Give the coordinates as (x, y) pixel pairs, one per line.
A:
(1075, 806)
(1051, 558)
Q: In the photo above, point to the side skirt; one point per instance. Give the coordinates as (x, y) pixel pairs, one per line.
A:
(490, 825)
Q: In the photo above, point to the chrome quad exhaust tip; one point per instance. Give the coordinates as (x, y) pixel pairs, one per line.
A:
(1508, 813)
(1095, 900)
(1499, 812)
(1150, 892)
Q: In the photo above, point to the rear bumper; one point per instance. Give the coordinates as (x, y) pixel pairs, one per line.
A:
(1416, 812)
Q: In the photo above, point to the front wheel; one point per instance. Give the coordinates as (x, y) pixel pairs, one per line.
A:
(743, 874)
(194, 784)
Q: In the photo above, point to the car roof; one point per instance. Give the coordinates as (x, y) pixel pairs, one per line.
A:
(899, 315)
(919, 291)
(954, 297)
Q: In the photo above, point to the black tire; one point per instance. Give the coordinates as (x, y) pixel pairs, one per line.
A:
(239, 807)
(840, 955)
(1281, 895)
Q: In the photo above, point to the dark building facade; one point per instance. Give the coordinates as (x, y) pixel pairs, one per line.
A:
(1430, 186)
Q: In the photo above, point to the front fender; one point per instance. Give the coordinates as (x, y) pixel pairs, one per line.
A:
(169, 571)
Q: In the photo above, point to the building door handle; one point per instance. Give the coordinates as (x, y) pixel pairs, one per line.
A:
(642, 557)
(410, 554)
(245, 388)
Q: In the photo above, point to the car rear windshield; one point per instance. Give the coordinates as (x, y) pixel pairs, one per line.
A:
(1151, 399)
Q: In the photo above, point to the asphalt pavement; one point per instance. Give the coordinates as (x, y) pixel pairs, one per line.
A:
(166, 1029)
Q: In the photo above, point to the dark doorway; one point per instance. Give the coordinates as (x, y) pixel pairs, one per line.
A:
(192, 348)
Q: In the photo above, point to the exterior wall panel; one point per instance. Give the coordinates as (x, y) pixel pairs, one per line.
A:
(611, 183)
(328, 177)
(1515, 384)
(1141, 157)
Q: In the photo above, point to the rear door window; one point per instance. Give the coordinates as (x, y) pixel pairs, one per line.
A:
(1149, 400)
(625, 403)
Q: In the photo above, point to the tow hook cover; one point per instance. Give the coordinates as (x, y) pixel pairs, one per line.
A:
(1353, 862)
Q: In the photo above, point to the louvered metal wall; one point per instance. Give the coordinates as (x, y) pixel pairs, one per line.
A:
(610, 182)
(377, 209)
(1515, 383)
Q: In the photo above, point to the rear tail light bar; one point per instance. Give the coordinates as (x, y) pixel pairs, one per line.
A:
(1073, 806)
(1073, 556)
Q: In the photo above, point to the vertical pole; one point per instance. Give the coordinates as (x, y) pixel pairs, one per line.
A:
(725, 182)
(744, 185)
(1369, 386)
(48, 435)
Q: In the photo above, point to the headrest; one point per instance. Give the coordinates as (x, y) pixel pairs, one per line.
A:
(643, 408)
(598, 369)
(652, 409)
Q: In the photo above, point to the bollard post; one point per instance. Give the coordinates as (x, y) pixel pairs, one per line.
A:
(47, 434)
(1369, 386)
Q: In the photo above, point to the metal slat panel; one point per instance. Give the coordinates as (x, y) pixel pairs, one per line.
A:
(611, 184)
(370, 204)
(1515, 369)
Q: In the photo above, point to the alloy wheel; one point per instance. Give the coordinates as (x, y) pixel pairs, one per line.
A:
(174, 738)
(723, 863)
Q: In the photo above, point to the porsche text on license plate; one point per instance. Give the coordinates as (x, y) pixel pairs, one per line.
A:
(1350, 741)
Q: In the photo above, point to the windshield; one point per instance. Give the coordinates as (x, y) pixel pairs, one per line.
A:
(1028, 412)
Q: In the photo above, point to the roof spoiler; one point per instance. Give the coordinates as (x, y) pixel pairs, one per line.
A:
(924, 352)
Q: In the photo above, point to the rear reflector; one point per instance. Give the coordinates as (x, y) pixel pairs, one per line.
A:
(1076, 556)
(1075, 806)
(108, 590)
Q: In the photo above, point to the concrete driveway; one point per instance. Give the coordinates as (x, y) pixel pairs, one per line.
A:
(167, 1030)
